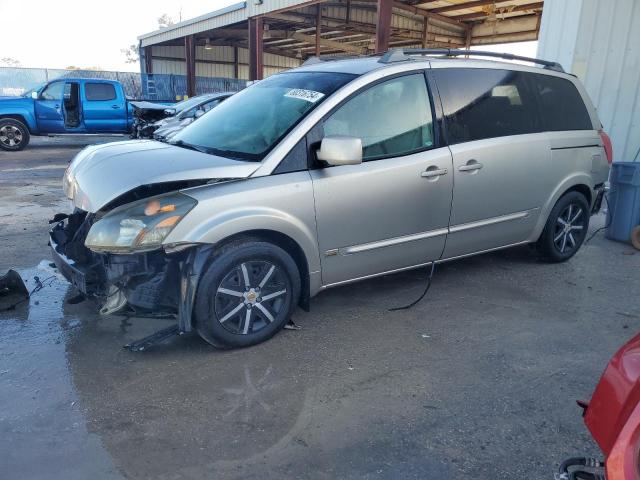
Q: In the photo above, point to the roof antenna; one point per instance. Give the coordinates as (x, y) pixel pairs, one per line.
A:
(394, 55)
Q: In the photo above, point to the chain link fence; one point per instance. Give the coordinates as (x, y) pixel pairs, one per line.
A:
(158, 87)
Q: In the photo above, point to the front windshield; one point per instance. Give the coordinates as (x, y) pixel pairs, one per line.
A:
(252, 122)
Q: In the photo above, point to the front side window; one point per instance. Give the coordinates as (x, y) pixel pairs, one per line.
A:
(392, 118)
(99, 91)
(249, 124)
(486, 103)
(53, 91)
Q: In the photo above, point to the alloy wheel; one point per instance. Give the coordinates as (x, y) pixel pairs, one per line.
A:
(251, 296)
(10, 136)
(569, 228)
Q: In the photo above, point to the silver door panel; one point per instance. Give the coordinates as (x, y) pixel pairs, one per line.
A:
(358, 206)
(480, 236)
(496, 178)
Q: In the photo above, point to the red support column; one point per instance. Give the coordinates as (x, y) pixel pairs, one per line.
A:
(236, 72)
(255, 48)
(148, 60)
(318, 28)
(383, 25)
(190, 57)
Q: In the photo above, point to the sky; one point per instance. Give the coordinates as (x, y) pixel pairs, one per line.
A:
(86, 33)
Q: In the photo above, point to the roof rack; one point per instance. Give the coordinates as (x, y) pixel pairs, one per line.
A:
(403, 54)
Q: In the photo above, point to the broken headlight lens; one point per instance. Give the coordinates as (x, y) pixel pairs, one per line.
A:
(141, 225)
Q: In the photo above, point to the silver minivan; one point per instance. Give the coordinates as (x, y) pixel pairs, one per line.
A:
(330, 173)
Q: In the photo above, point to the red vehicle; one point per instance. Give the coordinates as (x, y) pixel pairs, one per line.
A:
(613, 418)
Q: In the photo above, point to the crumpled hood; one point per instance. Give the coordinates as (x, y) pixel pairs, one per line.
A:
(101, 173)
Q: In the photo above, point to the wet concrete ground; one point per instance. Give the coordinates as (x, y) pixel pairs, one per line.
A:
(478, 381)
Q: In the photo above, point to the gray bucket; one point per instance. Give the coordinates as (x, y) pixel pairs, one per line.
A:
(623, 214)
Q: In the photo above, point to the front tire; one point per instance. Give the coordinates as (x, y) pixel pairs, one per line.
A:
(14, 135)
(246, 294)
(566, 228)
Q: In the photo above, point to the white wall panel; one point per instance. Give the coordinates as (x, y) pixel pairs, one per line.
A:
(600, 43)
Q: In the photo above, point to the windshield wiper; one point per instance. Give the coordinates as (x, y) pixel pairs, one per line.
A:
(180, 143)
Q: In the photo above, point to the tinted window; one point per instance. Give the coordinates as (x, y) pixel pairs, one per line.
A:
(99, 91)
(561, 106)
(392, 118)
(250, 123)
(486, 103)
(53, 91)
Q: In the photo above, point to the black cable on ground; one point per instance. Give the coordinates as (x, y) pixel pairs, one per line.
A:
(415, 302)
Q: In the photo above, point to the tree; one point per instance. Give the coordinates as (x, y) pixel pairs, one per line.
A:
(132, 53)
(9, 62)
(165, 21)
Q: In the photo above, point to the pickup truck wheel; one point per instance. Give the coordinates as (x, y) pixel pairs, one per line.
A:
(14, 135)
(566, 228)
(246, 295)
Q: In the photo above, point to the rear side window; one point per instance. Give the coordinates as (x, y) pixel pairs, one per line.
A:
(561, 106)
(486, 103)
(392, 118)
(99, 91)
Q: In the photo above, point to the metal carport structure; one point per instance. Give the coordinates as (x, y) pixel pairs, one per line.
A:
(257, 38)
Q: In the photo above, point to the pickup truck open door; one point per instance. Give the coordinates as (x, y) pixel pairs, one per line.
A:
(48, 108)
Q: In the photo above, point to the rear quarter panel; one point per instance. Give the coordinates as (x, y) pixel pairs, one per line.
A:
(576, 159)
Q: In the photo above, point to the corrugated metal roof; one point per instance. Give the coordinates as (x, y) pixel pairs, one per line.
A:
(225, 16)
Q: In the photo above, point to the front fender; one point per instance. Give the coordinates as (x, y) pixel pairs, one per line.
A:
(567, 183)
(279, 203)
(7, 109)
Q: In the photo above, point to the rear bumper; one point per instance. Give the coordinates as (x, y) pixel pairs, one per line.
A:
(597, 203)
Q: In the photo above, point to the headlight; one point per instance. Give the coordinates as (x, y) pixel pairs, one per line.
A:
(141, 225)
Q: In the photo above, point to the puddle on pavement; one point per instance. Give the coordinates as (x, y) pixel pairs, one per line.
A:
(73, 400)
(42, 428)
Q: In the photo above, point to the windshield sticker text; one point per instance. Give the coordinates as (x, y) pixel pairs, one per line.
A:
(302, 94)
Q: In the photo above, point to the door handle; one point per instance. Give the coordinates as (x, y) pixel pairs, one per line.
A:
(433, 172)
(471, 166)
(115, 106)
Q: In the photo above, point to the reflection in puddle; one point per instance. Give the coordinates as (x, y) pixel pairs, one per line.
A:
(250, 394)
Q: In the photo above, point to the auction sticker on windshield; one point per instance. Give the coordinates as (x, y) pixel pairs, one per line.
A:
(302, 94)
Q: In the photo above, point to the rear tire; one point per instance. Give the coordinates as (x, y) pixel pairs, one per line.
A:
(566, 228)
(14, 135)
(246, 294)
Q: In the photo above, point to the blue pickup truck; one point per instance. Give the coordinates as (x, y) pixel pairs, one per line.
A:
(65, 106)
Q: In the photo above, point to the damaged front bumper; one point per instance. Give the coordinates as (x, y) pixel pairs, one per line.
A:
(146, 283)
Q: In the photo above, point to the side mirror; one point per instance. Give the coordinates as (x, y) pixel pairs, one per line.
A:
(340, 150)
(170, 111)
(34, 95)
(199, 113)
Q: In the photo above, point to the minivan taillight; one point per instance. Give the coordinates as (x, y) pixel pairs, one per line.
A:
(608, 148)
